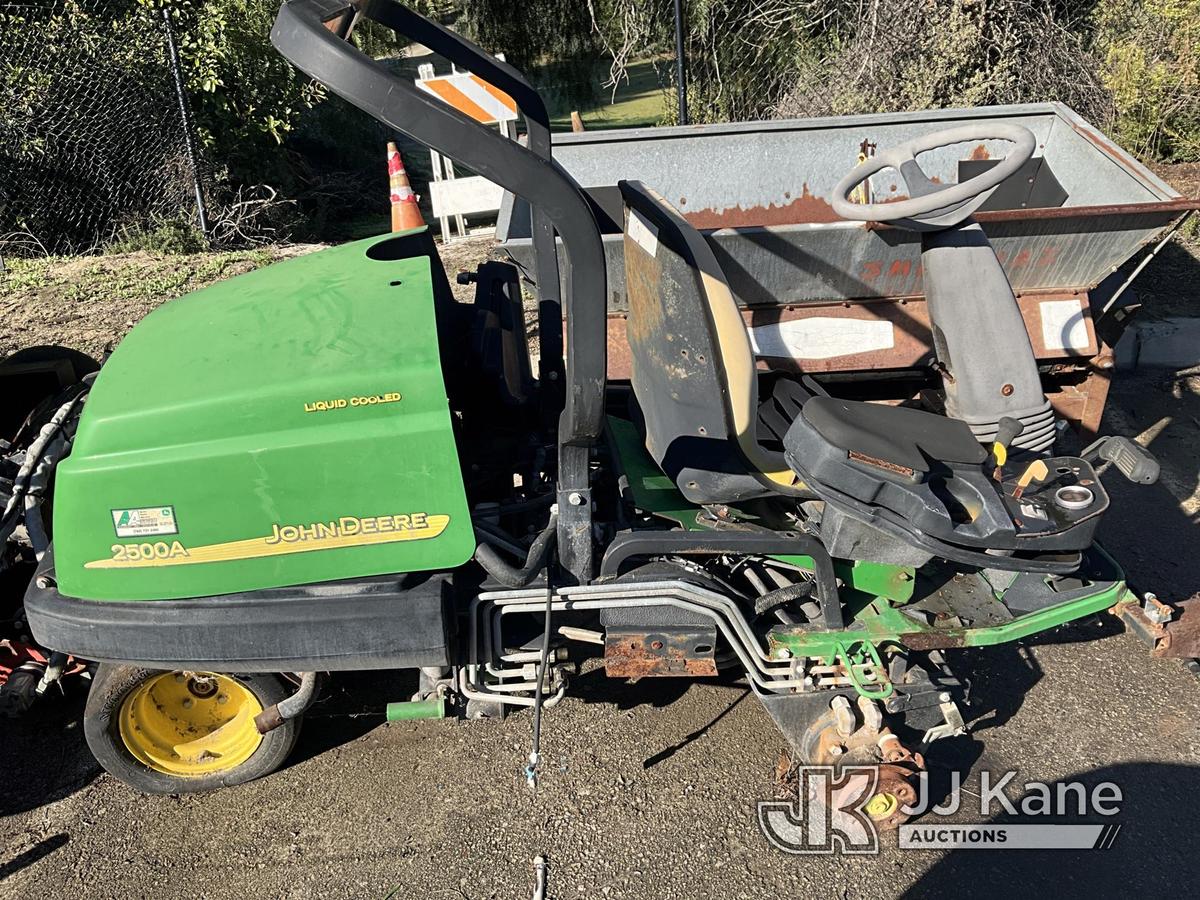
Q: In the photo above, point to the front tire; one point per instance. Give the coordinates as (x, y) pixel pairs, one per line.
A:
(183, 732)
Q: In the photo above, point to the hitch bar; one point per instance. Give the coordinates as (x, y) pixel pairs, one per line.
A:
(1172, 631)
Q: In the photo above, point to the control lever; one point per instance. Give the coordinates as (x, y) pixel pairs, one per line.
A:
(1008, 430)
(1132, 460)
(1036, 471)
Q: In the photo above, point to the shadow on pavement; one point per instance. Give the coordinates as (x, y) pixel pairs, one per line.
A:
(40, 850)
(350, 705)
(596, 687)
(43, 755)
(1147, 530)
(667, 753)
(1153, 855)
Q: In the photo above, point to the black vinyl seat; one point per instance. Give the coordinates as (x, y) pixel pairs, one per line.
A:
(695, 378)
(777, 413)
(693, 369)
(910, 438)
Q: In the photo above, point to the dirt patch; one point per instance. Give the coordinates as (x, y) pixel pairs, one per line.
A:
(1184, 177)
(89, 303)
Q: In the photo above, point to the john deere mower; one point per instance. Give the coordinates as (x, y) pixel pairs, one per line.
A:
(330, 464)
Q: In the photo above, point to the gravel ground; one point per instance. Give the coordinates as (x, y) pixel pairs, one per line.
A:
(649, 790)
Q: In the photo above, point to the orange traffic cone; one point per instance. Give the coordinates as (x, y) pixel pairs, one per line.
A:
(405, 212)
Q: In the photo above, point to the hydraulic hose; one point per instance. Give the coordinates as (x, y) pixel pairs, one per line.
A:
(780, 596)
(535, 560)
(50, 437)
(498, 537)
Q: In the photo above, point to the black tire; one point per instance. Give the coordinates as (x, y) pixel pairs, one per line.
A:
(113, 683)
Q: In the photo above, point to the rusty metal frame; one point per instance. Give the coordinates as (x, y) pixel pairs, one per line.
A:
(661, 652)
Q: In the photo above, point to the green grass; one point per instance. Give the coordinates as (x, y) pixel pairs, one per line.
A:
(123, 277)
(640, 101)
(175, 237)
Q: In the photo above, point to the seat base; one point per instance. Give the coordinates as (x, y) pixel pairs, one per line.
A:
(909, 438)
(948, 504)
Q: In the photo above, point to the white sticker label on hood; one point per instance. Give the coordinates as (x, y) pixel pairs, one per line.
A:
(146, 520)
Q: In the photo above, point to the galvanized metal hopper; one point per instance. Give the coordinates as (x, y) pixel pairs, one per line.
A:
(824, 295)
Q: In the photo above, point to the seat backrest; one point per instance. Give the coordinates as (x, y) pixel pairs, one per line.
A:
(694, 372)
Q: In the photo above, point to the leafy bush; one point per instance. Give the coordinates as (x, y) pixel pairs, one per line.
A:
(246, 98)
(170, 237)
(1131, 66)
(1151, 64)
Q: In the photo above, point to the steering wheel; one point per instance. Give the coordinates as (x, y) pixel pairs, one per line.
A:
(930, 205)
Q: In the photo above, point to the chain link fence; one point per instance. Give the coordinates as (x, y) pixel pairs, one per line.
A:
(92, 136)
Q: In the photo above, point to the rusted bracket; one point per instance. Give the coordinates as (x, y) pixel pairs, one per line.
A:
(634, 653)
(1170, 630)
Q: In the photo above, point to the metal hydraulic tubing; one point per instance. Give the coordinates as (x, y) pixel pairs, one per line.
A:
(758, 673)
(669, 593)
(980, 338)
(634, 544)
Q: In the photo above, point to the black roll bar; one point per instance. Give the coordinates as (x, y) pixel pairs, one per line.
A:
(300, 35)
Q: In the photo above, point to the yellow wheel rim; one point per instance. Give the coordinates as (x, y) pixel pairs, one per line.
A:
(190, 723)
(881, 806)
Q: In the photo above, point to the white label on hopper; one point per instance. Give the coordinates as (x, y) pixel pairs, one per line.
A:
(822, 337)
(643, 233)
(1063, 325)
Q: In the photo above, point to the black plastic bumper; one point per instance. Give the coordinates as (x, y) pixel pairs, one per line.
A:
(384, 622)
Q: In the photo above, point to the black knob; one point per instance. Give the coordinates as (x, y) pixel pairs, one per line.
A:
(1008, 430)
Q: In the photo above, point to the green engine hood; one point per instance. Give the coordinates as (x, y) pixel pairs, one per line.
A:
(286, 426)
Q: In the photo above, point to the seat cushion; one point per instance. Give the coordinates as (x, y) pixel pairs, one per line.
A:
(906, 437)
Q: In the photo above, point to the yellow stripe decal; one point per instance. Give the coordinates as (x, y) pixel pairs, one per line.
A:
(281, 542)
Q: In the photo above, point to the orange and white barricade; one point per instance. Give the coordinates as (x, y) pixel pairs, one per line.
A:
(450, 196)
